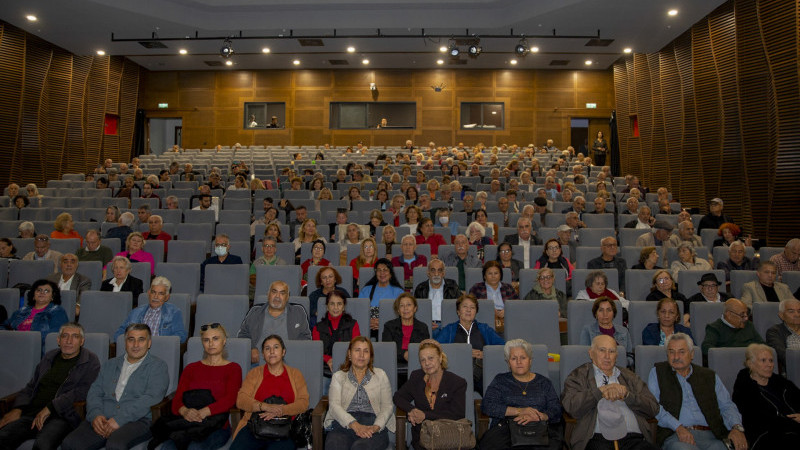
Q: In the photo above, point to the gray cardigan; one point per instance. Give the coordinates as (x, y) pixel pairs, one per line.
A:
(146, 387)
(296, 322)
(379, 391)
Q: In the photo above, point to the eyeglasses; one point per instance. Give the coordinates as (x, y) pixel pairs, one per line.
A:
(552, 247)
(210, 325)
(742, 315)
(269, 245)
(663, 280)
(545, 277)
(505, 250)
(42, 238)
(43, 291)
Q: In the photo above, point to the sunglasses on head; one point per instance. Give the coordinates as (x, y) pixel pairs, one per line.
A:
(209, 325)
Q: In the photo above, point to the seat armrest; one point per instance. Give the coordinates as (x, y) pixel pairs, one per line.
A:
(7, 403)
(80, 408)
(162, 408)
(236, 416)
(569, 426)
(400, 429)
(481, 420)
(317, 418)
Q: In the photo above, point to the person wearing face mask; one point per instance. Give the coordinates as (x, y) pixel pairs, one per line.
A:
(222, 246)
(443, 220)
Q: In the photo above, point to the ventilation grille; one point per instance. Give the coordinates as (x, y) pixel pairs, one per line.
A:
(213, 63)
(599, 42)
(311, 42)
(456, 62)
(559, 62)
(152, 44)
(338, 62)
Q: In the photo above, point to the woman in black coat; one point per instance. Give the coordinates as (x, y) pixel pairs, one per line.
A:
(768, 402)
(405, 306)
(121, 276)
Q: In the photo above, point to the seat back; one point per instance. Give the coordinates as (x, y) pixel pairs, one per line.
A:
(68, 301)
(793, 365)
(385, 357)
(186, 251)
(155, 248)
(534, 321)
(229, 310)
(20, 352)
(65, 245)
(96, 342)
(197, 231)
(28, 272)
(168, 349)
(638, 283)
(573, 356)
(185, 278)
(579, 314)
(494, 362)
(238, 350)
(701, 315)
(765, 315)
(9, 299)
(738, 280)
(728, 361)
(584, 253)
(306, 356)
(459, 361)
(141, 270)
(485, 312)
(227, 279)
(689, 278)
(92, 270)
(104, 312)
(266, 275)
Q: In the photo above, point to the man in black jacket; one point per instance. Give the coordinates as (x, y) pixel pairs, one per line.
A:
(437, 288)
(44, 409)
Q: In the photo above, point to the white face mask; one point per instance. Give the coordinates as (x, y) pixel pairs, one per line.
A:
(221, 250)
(444, 220)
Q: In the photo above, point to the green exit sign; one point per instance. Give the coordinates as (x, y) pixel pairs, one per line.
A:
(591, 105)
(163, 105)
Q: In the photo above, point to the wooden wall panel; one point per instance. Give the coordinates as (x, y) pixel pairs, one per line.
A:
(720, 109)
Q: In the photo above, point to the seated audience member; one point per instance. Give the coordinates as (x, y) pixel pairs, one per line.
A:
(122, 280)
(68, 278)
(222, 255)
(544, 289)
(505, 258)
(205, 423)
(664, 287)
(688, 260)
(789, 259)
(597, 286)
(618, 413)
(26, 230)
(478, 238)
(273, 380)
(276, 316)
(147, 192)
(118, 404)
(644, 219)
(112, 215)
(553, 258)
(269, 217)
(65, 228)
(307, 235)
(360, 409)
(465, 256)
(409, 259)
(608, 259)
(405, 328)
(205, 204)
(737, 260)
(163, 318)
(648, 259)
(493, 288)
(729, 233)
(715, 217)
(732, 329)
(432, 392)
(367, 256)
(468, 330)
(156, 231)
(765, 288)
(41, 251)
(767, 401)
(126, 190)
(437, 288)
(709, 292)
(785, 335)
(375, 221)
(351, 234)
(268, 257)
(695, 407)
(657, 236)
(427, 236)
(123, 228)
(44, 409)
(94, 250)
(382, 285)
(173, 203)
(567, 236)
(335, 326)
(685, 234)
(604, 311)
(317, 259)
(413, 215)
(143, 215)
(134, 251)
(444, 219)
(506, 400)
(7, 249)
(42, 311)
(327, 280)
(669, 319)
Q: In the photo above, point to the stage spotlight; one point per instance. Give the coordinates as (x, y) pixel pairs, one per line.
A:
(474, 49)
(227, 49)
(453, 50)
(522, 48)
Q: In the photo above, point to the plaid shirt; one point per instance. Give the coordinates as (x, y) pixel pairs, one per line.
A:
(784, 265)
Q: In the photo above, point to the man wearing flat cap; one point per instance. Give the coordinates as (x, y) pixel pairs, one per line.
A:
(715, 218)
(709, 292)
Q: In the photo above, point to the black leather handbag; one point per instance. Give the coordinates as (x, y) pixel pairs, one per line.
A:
(533, 433)
(274, 429)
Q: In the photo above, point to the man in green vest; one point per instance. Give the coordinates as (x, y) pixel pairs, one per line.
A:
(696, 410)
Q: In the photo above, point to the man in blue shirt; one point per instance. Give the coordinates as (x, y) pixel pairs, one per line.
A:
(696, 410)
(164, 319)
(222, 247)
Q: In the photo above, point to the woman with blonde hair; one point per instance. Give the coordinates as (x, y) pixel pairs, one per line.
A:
(256, 184)
(65, 228)
(134, 251)
(367, 257)
(389, 238)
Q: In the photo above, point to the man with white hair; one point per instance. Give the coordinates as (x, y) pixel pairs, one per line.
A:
(685, 234)
(163, 318)
(789, 259)
(785, 335)
(122, 231)
(525, 236)
(644, 219)
(41, 251)
(696, 410)
(408, 259)
(465, 256)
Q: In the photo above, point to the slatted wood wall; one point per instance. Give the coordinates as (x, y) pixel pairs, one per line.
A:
(719, 115)
(53, 105)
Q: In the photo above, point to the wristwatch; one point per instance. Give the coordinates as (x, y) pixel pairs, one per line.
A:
(738, 427)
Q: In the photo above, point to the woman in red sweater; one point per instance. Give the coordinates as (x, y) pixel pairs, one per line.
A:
(204, 419)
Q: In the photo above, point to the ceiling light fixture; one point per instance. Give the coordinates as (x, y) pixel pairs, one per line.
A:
(365, 61)
(229, 63)
(443, 49)
(227, 48)
(101, 53)
(440, 61)
(474, 49)
(265, 50)
(627, 50)
(513, 62)
(672, 12)
(351, 49)
(588, 62)
(534, 49)
(296, 62)
(183, 51)
(31, 18)
(522, 48)
(453, 50)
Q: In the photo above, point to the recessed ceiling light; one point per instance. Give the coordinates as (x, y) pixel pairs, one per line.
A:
(627, 50)
(443, 49)
(183, 51)
(440, 61)
(229, 63)
(588, 62)
(31, 18)
(535, 49)
(351, 49)
(265, 50)
(513, 62)
(296, 62)
(101, 52)
(672, 12)
(365, 61)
